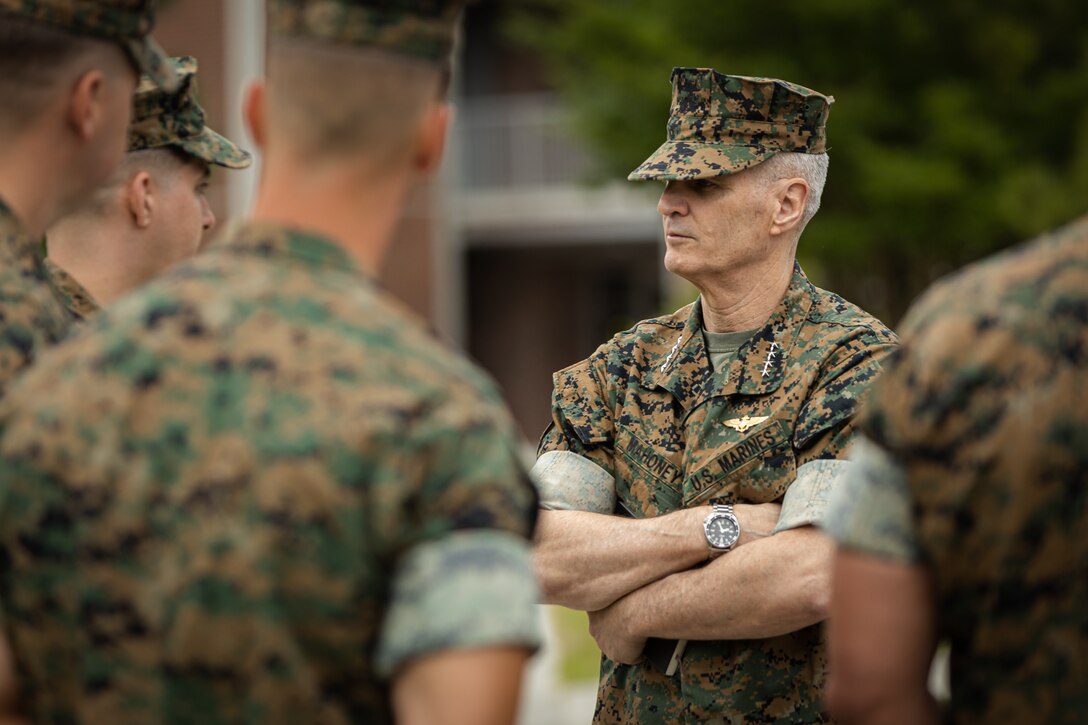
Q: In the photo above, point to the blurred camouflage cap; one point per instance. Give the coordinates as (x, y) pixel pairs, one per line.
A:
(126, 22)
(421, 28)
(721, 124)
(161, 118)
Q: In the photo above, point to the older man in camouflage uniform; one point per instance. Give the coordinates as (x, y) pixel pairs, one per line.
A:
(258, 489)
(964, 518)
(67, 73)
(153, 213)
(743, 400)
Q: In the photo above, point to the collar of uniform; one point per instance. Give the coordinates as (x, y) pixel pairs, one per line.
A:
(759, 365)
(75, 296)
(16, 241)
(269, 239)
(683, 368)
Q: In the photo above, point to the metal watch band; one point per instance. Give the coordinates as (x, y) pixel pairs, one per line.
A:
(717, 509)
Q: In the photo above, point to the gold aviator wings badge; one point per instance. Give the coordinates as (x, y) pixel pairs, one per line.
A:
(742, 424)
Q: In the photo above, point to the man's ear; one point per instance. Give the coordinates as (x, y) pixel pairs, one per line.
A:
(140, 199)
(431, 140)
(85, 104)
(790, 200)
(254, 109)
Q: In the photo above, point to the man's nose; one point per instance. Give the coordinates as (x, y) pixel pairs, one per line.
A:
(672, 200)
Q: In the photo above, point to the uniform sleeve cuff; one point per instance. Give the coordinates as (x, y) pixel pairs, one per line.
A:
(870, 509)
(467, 590)
(806, 500)
(569, 482)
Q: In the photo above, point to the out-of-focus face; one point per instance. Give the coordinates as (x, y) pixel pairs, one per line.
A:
(715, 225)
(107, 148)
(183, 217)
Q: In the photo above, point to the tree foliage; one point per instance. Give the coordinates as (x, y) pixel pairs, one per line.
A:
(960, 126)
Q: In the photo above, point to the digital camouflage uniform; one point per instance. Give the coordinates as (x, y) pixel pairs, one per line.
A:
(251, 492)
(32, 311)
(721, 124)
(160, 119)
(674, 433)
(125, 22)
(74, 296)
(975, 466)
(175, 119)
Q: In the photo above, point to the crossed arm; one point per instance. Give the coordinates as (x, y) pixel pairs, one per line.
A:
(587, 561)
(634, 576)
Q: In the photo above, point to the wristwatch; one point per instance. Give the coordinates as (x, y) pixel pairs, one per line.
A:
(722, 529)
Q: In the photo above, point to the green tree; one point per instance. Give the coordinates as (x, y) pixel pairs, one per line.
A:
(960, 127)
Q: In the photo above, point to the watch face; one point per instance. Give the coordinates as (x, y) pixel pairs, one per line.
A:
(722, 532)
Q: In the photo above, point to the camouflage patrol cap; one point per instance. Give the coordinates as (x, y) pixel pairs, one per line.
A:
(421, 28)
(161, 118)
(721, 124)
(126, 22)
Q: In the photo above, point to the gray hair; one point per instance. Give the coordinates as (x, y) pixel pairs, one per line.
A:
(810, 167)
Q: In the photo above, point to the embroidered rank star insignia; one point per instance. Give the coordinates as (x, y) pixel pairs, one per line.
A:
(672, 353)
(770, 357)
(742, 424)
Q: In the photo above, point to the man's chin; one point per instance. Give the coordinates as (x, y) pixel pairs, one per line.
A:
(680, 267)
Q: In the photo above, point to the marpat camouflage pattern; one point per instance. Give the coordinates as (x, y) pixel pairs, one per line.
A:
(721, 124)
(127, 22)
(32, 311)
(420, 28)
(75, 297)
(162, 118)
(985, 413)
(250, 491)
(648, 408)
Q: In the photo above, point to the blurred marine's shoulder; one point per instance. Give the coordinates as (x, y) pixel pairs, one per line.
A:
(1038, 279)
(302, 279)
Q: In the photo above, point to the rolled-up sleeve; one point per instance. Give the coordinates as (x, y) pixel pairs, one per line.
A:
(470, 589)
(869, 510)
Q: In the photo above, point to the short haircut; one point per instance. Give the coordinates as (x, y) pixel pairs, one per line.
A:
(332, 100)
(163, 163)
(810, 167)
(34, 59)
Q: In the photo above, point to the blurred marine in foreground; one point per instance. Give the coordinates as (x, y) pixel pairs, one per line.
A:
(720, 428)
(257, 489)
(965, 515)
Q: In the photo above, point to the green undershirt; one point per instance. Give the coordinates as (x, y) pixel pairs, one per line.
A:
(723, 346)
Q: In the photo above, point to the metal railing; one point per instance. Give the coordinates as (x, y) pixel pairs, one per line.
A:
(518, 140)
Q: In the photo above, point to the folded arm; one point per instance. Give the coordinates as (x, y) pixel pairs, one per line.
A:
(773, 586)
(587, 561)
